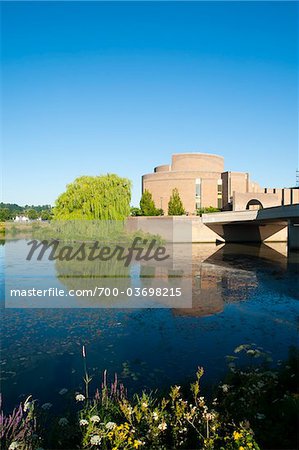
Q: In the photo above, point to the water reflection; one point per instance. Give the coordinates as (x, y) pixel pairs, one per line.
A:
(241, 294)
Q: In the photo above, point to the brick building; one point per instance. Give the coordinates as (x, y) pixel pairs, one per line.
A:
(202, 182)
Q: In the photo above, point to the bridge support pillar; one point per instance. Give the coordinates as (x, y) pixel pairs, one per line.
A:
(293, 234)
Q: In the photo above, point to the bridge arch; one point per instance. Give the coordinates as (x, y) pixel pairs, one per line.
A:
(254, 204)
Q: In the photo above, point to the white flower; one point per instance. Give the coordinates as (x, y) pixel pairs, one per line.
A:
(13, 446)
(110, 425)
(63, 391)
(94, 419)
(225, 387)
(155, 416)
(95, 439)
(162, 426)
(46, 406)
(144, 405)
(63, 421)
(80, 398)
(83, 422)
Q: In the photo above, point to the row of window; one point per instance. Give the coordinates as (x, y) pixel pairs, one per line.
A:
(198, 193)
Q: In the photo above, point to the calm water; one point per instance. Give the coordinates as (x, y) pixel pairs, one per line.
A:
(242, 294)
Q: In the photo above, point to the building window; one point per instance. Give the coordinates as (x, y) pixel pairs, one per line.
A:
(219, 194)
(197, 193)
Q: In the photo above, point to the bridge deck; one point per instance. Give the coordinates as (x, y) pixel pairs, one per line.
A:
(274, 214)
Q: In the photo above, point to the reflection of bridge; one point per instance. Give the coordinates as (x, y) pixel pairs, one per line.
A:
(255, 226)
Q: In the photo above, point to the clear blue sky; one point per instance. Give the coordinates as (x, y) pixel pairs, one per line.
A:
(91, 88)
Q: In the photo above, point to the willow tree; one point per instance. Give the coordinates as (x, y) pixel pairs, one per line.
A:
(105, 197)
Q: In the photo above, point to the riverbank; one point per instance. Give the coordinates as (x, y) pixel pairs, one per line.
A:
(240, 415)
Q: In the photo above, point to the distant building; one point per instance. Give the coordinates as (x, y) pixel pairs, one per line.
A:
(21, 219)
(202, 182)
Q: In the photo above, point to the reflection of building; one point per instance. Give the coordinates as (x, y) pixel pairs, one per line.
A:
(202, 182)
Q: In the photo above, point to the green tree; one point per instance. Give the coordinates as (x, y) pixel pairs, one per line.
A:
(46, 214)
(135, 211)
(147, 205)
(32, 214)
(5, 214)
(175, 205)
(102, 197)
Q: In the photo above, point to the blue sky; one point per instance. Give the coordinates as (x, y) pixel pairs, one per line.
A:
(91, 88)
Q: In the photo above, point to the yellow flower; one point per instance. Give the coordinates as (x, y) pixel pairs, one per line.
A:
(241, 448)
(237, 435)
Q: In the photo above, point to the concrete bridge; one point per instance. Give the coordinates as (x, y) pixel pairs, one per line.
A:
(256, 225)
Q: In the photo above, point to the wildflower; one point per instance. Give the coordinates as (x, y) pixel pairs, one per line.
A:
(95, 439)
(110, 425)
(13, 446)
(83, 422)
(27, 404)
(225, 387)
(46, 406)
(137, 443)
(63, 421)
(209, 416)
(236, 435)
(95, 419)
(241, 448)
(155, 416)
(63, 391)
(144, 405)
(80, 398)
(162, 426)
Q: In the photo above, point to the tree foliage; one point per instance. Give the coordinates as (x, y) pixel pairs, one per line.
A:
(147, 205)
(175, 205)
(104, 197)
(206, 210)
(46, 214)
(32, 214)
(5, 214)
(8, 211)
(136, 212)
